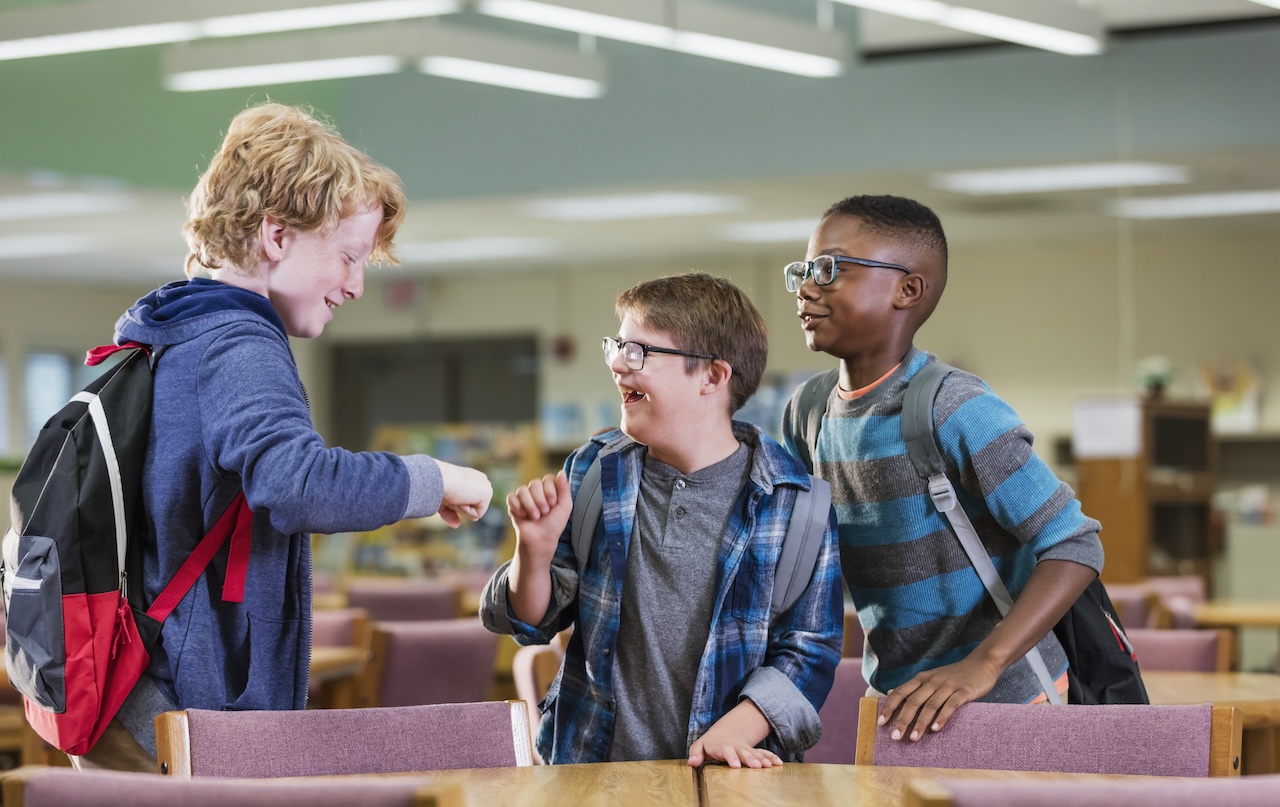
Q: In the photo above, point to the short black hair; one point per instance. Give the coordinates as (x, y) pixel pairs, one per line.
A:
(895, 215)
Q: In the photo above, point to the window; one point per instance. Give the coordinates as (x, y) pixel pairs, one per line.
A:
(51, 378)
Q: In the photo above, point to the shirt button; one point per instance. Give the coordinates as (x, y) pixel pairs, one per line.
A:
(679, 512)
(679, 484)
(606, 651)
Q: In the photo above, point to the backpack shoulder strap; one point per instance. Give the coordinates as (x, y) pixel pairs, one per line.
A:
(917, 419)
(589, 502)
(926, 458)
(806, 418)
(801, 544)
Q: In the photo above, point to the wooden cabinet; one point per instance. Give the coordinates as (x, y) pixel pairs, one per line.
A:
(1156, 505)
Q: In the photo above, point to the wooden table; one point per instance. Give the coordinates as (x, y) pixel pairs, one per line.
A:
(634, 784)
(337, 670)
(1256, 695)
(811, 785)
(1233, 615)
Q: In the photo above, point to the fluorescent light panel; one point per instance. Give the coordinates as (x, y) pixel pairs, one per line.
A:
(110, 24)
(464, 250)
(281, 73)
(769, 232)
(517, 78)
(1048, 178)
(46, 245)
(1045, 24)
(1202, 205)
(633, 206)
(372, 50)
(35, 206)
(700, 29)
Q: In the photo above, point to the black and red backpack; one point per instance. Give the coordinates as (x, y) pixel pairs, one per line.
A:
(79, 634)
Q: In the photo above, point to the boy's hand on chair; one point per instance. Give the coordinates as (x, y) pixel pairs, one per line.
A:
(539, 511)
(926, 702)
(466, 493)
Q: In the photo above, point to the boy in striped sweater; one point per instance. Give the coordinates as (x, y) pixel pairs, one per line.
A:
(875, 269)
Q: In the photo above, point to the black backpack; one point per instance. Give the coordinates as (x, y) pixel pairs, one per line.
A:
(1103, 666)
(78, 634)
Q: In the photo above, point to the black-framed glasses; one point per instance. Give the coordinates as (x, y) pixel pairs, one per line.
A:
(633, 353)
(823, 269)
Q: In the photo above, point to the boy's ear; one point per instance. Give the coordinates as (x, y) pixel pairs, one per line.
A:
(910, 292)
(717, 376)
(271, 238)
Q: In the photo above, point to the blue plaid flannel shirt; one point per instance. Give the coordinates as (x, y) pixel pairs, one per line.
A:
(797, 651)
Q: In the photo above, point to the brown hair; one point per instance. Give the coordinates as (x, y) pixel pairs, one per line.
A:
(282, 162)
(705, 314)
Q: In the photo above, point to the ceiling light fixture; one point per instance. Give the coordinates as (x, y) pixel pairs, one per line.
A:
(689, 26)
(633, 206)
(1045, 24)
(464, 250)
(447, 51)
(1049, 178)
(46, 245)
(769, 232)
(109, 24)
(1200, 205)
(35, 206)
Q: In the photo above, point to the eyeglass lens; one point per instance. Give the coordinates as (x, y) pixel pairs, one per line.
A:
(632, 352)
(822, 268)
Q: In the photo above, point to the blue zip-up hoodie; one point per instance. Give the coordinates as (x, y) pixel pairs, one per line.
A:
(229, 414)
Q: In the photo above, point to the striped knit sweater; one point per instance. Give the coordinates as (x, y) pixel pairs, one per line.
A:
(918, 597)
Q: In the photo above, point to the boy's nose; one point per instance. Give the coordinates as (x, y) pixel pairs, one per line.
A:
(354, 287)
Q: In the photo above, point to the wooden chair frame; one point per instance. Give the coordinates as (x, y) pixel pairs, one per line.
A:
(1225, 737)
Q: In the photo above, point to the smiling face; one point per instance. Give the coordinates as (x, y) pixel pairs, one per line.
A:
(864, 311)
(656, 401)
(319, 270)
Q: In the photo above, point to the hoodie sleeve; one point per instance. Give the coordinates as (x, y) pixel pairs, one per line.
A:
(255, 423)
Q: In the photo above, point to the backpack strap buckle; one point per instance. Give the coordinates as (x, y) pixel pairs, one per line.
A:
(942, 493)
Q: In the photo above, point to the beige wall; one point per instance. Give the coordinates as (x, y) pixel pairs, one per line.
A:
(1040, 325)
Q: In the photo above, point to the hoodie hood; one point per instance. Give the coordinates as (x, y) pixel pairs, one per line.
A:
(184, 309)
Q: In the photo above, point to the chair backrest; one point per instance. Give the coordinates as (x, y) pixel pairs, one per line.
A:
(839, 715)
(1191, 650)
(35, 786)
(1138, 606)
(339, 627)
(434, 661)
(324, 742)
(1243, 791)
(1195, 740)
(533, 668)
(405, 600)
(854, 637)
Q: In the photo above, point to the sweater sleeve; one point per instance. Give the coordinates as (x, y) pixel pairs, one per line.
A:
(984, 439)
(255, 423)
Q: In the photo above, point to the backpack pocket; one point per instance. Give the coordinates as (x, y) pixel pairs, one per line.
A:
(34, 653)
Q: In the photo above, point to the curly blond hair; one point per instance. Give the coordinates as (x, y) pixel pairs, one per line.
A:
(283, 162)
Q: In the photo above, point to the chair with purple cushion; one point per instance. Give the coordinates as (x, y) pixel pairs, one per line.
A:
(1191, 650)
(405, 600)
(35, 786)
(1195, 740)
(1136, 605)
(433, 661)
(338, 627)
(1176, 598)
(533, 668)
(1244, 791)
(326, 742)
(839, 716)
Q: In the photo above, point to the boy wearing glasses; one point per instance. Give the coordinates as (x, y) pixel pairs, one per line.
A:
(675, 652)
(875, 270)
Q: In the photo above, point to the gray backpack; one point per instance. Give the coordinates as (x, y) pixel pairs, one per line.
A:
(926, 458)
(800, 546)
